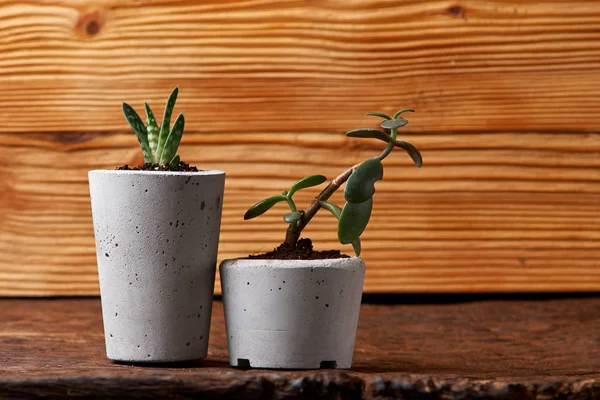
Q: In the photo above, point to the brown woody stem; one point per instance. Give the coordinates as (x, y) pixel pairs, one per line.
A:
(293, 233)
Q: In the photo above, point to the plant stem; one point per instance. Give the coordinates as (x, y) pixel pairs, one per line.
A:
(293, 234)
(390, 146)
(291, 203)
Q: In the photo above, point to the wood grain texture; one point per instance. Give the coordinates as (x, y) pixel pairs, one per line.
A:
(519, 349)
(507, 121)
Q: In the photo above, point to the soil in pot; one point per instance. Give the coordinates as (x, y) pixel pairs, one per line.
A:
(182, 167)
(302, 251)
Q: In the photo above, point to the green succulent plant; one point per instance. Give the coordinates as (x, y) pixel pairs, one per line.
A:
(360, 180)
(159, 145)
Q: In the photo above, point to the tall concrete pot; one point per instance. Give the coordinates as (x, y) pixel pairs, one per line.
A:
(157, 235)
(292, 314)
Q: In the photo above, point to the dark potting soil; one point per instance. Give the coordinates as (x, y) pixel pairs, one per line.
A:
(182, 167)
(302, 251)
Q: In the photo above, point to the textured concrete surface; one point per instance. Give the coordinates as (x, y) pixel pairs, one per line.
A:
(157, 236)
(292, 313)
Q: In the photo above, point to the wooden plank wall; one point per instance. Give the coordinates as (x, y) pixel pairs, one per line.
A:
(507, 95)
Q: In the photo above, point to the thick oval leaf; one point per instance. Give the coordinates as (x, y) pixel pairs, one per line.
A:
(370, 133)
(304, 183)
(361, 184)
(262, 206)
(412, 152)
(394, 123)
(292, 217)
(332, 208)
(402, 111)
(356, 246)
(378, 114)
(354, 220)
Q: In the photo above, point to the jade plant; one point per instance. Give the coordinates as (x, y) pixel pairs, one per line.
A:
(360, 180)
(159, 145)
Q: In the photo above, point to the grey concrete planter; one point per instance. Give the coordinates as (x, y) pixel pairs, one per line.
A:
(157, 235)
(294, 314)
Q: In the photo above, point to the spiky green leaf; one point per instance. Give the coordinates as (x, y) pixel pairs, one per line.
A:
(412, 152)
(307, 182)
(152, 129)
(140, 131)
(394, 123)
(356, 246)
(172, 142)
(292, 217)
(370, 133)
(166, 121)
(378, 114)
(174, 163)
(262, 206)
(361, 184)
(353, 220)
(332, 208)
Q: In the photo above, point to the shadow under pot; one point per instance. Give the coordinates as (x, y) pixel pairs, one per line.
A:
(157, 235)
(292, 314)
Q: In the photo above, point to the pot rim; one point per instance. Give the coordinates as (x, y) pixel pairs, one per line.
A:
(282, 263)
(206, 172)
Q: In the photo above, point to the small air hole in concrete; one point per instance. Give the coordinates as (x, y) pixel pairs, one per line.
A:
(187, 344)
(243, 363)
(328, 365)
(106, 254)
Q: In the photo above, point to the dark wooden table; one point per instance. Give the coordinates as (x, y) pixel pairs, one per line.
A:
(521, 349)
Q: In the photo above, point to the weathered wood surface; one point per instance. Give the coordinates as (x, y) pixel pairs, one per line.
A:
(518, 349)
(507, 120)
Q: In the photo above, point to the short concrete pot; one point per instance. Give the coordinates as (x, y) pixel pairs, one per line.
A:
(157, 235)
(292, 314)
